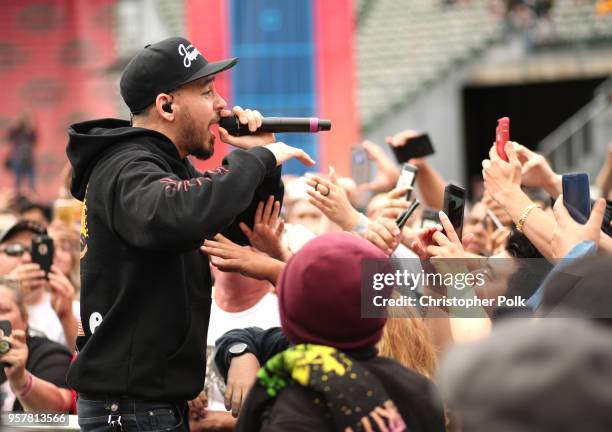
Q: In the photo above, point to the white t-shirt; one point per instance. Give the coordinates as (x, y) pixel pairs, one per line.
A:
(9, 397)
(44, 320)
(264, 314)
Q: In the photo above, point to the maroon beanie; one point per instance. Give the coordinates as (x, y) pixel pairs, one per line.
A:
(319, 294)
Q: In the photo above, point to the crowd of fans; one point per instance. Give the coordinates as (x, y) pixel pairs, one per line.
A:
(287, 346)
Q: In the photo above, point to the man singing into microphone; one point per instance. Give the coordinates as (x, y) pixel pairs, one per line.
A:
(145, 287)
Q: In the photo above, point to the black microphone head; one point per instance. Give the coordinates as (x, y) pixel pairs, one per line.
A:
(324, 125)
(231, 124)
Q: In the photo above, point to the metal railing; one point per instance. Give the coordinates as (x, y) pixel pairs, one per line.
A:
(583, 136)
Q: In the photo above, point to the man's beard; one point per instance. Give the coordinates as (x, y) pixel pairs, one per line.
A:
(194, 142)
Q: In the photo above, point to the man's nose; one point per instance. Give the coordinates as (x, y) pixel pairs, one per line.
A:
(220, 103)
(26, 257)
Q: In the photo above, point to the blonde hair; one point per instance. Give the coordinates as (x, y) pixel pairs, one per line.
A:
(408, 341)
(15, 287)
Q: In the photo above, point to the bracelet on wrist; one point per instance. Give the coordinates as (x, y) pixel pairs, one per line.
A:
(362, 224)
(27, 389)
(520, 224)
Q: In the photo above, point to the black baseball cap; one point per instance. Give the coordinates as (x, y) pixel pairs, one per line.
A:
(163, 67)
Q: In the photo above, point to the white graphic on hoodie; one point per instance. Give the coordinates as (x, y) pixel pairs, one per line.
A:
(95, 319)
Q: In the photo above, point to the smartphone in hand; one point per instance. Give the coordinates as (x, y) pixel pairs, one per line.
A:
(415, 147)
(430, 218)
(407, 178)
(577, 196)
(502, 136)
(405, 215)
(494, 219)
(454, 206)
(360, 165)
(5, 346)
(42, 252)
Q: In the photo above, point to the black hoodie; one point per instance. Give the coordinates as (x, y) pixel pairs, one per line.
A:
(145, 286)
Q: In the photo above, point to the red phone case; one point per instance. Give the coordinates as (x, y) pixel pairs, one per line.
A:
(502, 136)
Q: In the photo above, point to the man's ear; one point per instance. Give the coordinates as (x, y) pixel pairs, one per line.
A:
(163, 106)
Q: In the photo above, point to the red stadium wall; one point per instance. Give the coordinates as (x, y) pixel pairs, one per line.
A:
(337, 98)
(53, 60)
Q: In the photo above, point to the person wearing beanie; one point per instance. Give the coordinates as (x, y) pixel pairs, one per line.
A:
(330, 376)
(145, 285)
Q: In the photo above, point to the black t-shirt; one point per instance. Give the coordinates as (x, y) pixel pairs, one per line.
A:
(47, 360)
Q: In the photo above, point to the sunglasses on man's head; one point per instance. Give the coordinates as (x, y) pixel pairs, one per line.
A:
(15, 249)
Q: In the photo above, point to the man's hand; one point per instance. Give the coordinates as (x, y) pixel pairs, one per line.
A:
(400, 139)
(282, 152)
(449, 255)
(267, 230)
(395, 203)
(227, 256)
(567, 233)
(197, 406)
(501, 177)
(332, 200)
(16, 359)
(387, 173)
(240, 378)
(425, 239)
(62, 292)
(536, 171)
(215, 421)
(30, 277)
(384, 234)
(498, 240)
(251, 118)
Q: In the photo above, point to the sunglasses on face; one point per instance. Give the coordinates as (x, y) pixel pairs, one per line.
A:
(15, 249)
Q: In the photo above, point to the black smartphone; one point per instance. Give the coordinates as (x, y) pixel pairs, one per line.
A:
(577, 196)
(6, 327)
(360, 165)
(6, 330)
(407, 178)
(430, 218)
(414, 147)
(42, 252)
(454, 206)
(405, 215)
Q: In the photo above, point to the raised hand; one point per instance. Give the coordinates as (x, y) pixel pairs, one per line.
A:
(282, 152)
(387, 172)
(537, 172)
(567, 233)
(31, 278)
(501, 178)
(62, 292)
(384, 234)
(448, 256)
(332, 200)
(395, 203)
(227, 256)
(267, 230)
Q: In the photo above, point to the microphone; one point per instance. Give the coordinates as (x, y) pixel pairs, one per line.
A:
(276, 124)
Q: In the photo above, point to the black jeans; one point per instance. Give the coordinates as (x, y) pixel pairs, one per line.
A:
(128, 415)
